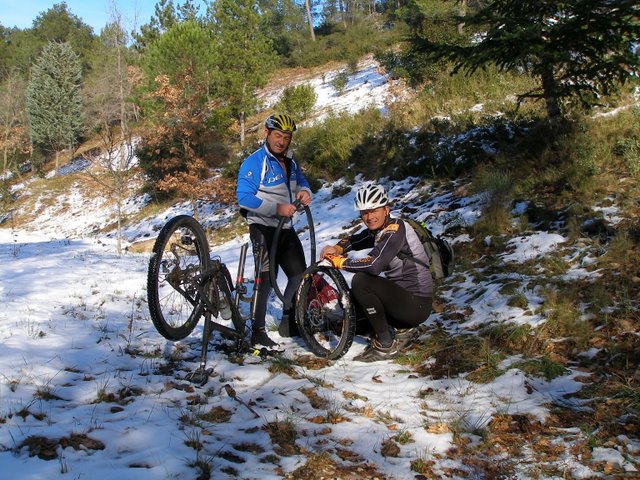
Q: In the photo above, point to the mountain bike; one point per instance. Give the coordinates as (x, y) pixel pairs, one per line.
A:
(187, 281)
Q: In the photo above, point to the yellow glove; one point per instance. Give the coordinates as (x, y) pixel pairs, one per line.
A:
(336, 260)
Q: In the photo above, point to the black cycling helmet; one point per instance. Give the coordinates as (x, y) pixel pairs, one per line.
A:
(281, 122)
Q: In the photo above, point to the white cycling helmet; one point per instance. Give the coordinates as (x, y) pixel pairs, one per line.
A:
(371, 196)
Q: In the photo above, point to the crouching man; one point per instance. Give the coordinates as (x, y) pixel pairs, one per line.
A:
(398, 302)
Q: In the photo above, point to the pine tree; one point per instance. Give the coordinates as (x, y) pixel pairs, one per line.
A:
(187, 46)
(245, 56)
(164, 18)
(54, 101)
(298, 100)
(59, 25)
(166, 15)
(284, 23)
(579, 49)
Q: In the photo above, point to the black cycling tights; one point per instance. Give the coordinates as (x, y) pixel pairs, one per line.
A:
(387, 304)
(290, 257)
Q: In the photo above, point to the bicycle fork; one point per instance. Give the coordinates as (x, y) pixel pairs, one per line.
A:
(202, 373)
(212, 292)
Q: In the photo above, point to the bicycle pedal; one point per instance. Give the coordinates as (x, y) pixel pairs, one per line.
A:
(265, 352)
(199, 377)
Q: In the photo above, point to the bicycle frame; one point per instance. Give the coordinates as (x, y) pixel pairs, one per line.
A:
(208, 285)
(185, 283)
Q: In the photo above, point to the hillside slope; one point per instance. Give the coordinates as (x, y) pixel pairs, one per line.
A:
(526, 369)
(52, 204)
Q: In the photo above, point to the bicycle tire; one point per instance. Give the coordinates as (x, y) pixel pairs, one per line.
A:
(327, 332)
(180, 253)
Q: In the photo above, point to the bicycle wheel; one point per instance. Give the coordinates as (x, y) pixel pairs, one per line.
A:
(325, 313)
(180, 254)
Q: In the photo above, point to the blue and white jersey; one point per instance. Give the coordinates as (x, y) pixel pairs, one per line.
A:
(263, 184)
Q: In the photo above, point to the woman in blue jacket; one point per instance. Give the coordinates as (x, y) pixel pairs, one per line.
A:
(269, 181)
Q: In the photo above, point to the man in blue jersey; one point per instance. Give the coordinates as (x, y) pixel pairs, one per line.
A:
(400, 300)
(269, 181)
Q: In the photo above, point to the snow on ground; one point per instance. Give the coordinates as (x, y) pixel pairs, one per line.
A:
(74, 327)
(367, 87)
(80, 355)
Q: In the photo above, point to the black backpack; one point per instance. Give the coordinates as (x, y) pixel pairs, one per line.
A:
(438, 250)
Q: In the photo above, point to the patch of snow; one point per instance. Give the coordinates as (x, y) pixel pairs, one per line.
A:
(531, 246)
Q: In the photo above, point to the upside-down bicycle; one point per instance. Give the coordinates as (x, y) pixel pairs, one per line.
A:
(187, 281)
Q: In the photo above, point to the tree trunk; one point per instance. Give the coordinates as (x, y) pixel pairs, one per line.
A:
(5, 154)
(119, 179)
(343, 13)
(194, 207)
(119, 232)
(549, 89)
(462, 13)
(242, 127)
(307, 4)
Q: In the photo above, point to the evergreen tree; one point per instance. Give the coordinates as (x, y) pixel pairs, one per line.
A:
(166, 15)
(187, 46)
(20, 48)
(59, 25)
(245, 57)
(54, 101)
(298, 101)
(284, 23)
(430, 22)
(578, 49)
(5, 51)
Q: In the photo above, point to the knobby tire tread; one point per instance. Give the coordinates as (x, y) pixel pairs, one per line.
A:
(163, 327)
(348, 319)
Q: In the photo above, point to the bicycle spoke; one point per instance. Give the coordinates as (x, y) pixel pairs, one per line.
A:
(180, 256)
(324, 312)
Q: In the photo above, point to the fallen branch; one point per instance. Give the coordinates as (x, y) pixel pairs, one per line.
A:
(232, 393)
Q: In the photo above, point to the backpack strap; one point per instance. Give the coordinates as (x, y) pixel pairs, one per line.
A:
(409, 256)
